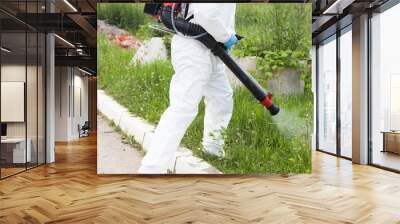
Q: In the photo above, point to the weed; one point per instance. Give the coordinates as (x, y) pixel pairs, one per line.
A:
(126, 139)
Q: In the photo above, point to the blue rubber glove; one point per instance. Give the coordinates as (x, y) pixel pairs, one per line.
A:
(232, 41)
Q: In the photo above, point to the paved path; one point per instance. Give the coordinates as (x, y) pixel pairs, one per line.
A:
(114, 156)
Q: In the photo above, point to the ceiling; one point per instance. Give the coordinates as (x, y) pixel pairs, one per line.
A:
(330, 15)
(18, 52)
(74, 22)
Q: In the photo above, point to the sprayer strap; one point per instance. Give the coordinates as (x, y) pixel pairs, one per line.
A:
(186, 6)
(189, 18)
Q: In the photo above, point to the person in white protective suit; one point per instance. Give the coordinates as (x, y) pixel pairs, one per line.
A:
(198, 73)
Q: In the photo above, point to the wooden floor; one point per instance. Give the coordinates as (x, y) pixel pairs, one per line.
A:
(5, 172)
(69, 191)
(387, 159)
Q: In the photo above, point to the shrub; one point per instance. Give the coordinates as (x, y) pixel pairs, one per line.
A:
(278, 34)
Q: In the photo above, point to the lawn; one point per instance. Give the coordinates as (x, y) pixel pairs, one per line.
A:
(255, 141)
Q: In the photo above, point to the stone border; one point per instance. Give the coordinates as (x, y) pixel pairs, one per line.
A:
(142, 131)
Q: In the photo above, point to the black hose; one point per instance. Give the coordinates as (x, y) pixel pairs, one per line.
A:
(187, 28)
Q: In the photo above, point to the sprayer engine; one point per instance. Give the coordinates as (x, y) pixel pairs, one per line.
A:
(167, 13)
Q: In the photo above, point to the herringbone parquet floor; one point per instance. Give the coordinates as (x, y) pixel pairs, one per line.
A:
(69, 191)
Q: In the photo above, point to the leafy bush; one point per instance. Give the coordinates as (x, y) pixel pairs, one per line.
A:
(278, 34)
(255, 141)
(273, 62)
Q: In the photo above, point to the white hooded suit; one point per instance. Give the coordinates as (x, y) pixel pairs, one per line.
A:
(198, 73)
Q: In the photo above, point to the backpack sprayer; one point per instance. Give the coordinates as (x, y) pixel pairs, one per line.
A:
(167, 14)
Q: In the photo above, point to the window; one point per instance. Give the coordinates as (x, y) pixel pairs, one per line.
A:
(327, 96)
(22, 77)
(385, 89)
(346, 95)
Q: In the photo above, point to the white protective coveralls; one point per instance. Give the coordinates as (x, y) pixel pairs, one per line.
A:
(198, 73)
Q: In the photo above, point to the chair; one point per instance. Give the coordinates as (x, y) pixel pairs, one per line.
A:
(84, 130)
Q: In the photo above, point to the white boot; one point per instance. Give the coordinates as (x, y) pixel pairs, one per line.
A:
(214, 150)
(151, 170)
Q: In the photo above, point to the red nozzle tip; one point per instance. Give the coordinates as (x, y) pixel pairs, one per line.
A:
(267, 101)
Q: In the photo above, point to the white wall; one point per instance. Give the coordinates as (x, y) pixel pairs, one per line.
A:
(13, 101)
(62, 82)
(81, 94)
(15, 73)
(71, 87)
(33, 126)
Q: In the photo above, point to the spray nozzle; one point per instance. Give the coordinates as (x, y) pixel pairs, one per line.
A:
(267, 102)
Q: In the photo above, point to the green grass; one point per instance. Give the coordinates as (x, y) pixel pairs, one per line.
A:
(272, 27)
(255, 142)
(129, 17)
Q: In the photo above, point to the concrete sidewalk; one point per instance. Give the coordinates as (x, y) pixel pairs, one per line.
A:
(114, 156)
(142, 131)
